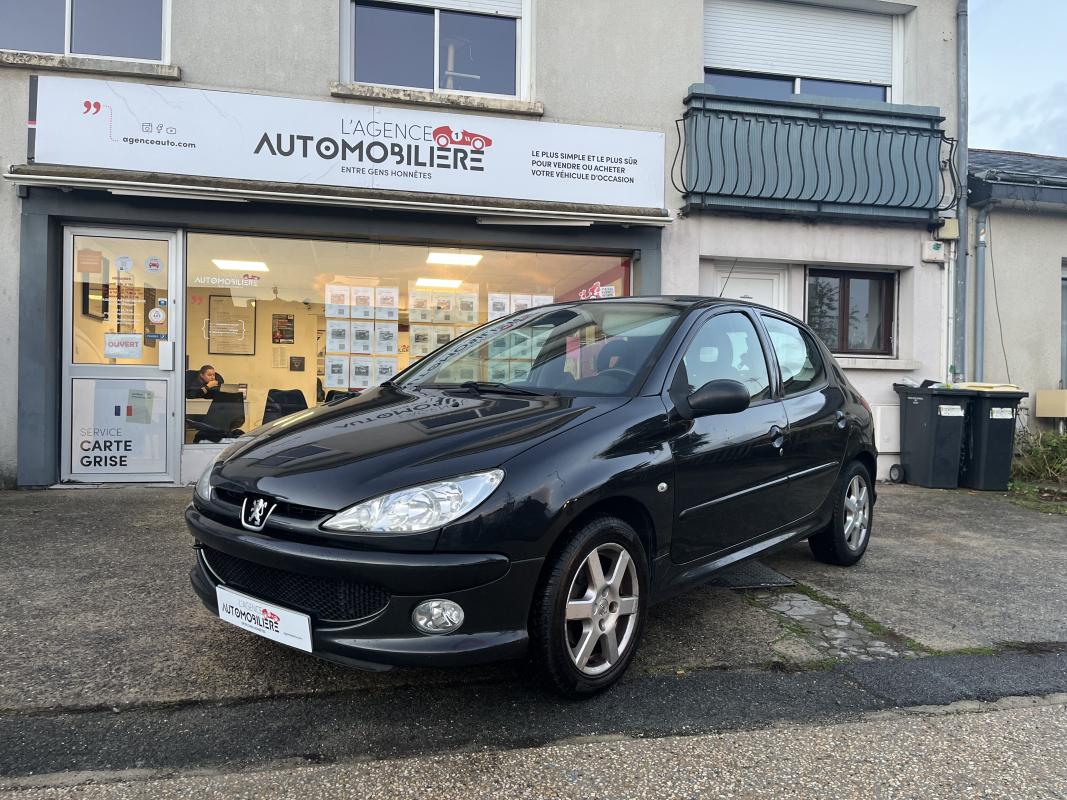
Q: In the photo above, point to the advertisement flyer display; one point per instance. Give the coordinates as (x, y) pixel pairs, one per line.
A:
(466, 370)
(442, 335)
(520, 344)
(467, 308)
(384, 370)
(362, 337)
(197, 132)
(283, 329)
(231, 325)
(336, 336)
(499, 371)
(387, 302)
(385, 337)
(337, 300)
(541, 300)
(419, 306)
(520, 370)
(362, 302)
(420, 340)
(118, 426)
(520, 302)
(336, 372)
(499, 305)
(362, 373)
(444, 307)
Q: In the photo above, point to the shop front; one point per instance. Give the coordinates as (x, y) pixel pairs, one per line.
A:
(174, 297)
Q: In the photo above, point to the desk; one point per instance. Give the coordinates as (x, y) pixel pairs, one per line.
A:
(196, 409)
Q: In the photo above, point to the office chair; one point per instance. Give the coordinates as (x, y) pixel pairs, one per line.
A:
(282, 403)
(223, 420)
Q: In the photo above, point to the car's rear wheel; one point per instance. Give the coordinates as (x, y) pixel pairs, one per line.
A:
(588, 614)
(844, 541)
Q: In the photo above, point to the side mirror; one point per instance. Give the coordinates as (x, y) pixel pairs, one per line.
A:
(719, 397)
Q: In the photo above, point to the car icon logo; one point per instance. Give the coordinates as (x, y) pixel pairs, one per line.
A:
(446, 137)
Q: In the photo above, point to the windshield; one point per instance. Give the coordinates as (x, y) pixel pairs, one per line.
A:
(583, 349)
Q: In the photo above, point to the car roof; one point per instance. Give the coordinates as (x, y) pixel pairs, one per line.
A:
(681, 301)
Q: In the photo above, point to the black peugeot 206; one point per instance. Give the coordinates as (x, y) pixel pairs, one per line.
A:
(534, 486)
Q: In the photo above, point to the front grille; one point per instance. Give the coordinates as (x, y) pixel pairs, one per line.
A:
(326, 599)
(290, 510)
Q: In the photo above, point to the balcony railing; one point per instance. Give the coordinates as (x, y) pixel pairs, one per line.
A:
(814, 157)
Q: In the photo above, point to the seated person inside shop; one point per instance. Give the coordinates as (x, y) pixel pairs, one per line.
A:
(204, 384)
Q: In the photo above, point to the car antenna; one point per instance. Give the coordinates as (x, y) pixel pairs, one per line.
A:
(723, 289)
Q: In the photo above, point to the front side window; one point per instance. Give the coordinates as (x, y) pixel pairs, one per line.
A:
(852, 312)
(129, 29)
(798, 357)
(435, 49)
(584, 349)
(727, 348)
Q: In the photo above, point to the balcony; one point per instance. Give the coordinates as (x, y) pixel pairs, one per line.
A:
(814, 157)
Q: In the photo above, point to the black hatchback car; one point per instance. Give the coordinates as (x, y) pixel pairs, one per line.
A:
(534, 486)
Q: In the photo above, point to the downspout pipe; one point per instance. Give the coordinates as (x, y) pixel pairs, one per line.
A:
(959, 348)
(979, 290)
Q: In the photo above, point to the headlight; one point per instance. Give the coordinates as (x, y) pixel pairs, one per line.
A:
(203, 485)
(418, 508)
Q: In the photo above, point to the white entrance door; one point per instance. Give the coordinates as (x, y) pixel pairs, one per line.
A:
(763, 285)
(121, 393)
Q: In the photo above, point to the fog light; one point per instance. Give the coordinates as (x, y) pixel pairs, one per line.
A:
(437, 616)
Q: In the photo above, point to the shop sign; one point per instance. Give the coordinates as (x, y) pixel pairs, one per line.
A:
(122, 345)
(118, 426)
(130, 126)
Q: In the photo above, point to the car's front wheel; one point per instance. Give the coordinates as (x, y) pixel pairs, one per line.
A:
(844, 541)
(589, 612)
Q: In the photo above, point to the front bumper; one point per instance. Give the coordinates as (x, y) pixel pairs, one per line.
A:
(495, 595)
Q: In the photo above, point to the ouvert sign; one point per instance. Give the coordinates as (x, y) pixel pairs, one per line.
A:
(162, 129)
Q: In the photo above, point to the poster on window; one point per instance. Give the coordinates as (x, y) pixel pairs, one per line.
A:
(499, 371)
(520, 370)
(230, 327)
(282, 329)
(384, 370)
(467, 308)
(362, 302)
(385, 337)
(362, 337)
(362, 376)
(337, 300)
(387, 302)
(442, 335)
(498, 347)
(466, 370)
(541, 300)
(336, 336)
(336, 372)
(118, 426)
(443, 307)
(520, 302)
(420, 340)
(499, 305)
(520, 344)
(419, 306)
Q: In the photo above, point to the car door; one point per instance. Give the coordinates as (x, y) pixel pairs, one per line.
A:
(815, 408)
(730, 484)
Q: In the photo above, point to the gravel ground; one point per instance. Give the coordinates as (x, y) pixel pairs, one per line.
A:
(1017, 753)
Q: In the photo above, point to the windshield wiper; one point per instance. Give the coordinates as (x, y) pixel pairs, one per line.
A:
(500, 388)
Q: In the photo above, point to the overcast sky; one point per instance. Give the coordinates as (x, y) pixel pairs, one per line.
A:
(1018, 75)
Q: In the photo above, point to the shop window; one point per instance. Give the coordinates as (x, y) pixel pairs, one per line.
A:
(799, 360)
(852, 312)
(435, 49)
(286, 324)
(127, 29)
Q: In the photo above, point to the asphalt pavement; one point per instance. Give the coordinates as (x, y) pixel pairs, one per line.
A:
(112, 668)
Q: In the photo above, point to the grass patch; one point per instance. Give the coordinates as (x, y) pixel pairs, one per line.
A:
(1040, 457)
(1046, 499)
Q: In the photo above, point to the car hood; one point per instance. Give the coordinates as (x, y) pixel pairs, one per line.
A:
(388, 438)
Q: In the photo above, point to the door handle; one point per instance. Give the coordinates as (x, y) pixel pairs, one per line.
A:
(841, 419)
(777, 439)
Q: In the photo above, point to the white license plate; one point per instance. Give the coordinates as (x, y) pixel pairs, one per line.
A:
(274, 622)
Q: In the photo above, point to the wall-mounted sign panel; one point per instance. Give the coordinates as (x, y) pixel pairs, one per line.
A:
(130, 126)
(118, 426)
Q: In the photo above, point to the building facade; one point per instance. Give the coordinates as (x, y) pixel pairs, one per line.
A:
(307, 196)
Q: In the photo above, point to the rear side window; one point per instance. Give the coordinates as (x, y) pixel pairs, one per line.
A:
(727, 348)
(798, 356)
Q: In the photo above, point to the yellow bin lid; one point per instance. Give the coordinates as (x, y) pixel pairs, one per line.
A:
(987, 387)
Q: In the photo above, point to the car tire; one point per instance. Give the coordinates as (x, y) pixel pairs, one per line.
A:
(844, 541)
(477, 144)
(443, 141)
(589, 611)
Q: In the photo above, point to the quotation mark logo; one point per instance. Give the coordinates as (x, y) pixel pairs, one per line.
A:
(91, 106)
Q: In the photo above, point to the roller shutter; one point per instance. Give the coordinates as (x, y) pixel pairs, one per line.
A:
(505, 8)
(798, 40)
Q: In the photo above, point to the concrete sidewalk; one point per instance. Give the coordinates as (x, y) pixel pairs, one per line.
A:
(99, 613)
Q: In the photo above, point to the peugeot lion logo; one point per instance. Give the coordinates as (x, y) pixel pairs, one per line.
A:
(254, 514)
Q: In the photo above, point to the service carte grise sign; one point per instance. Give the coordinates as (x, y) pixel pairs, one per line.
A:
(196, 132)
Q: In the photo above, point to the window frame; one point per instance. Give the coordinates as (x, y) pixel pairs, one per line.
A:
(523, 50)
(820, 345)
(888, 309)
(68, 32)
(798, 83)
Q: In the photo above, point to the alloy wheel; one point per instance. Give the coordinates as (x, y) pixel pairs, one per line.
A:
(857, 513)
(602, 608)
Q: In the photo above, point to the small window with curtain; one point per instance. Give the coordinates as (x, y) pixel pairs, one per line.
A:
(124, 29)
(439, 47)
(852, 312)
